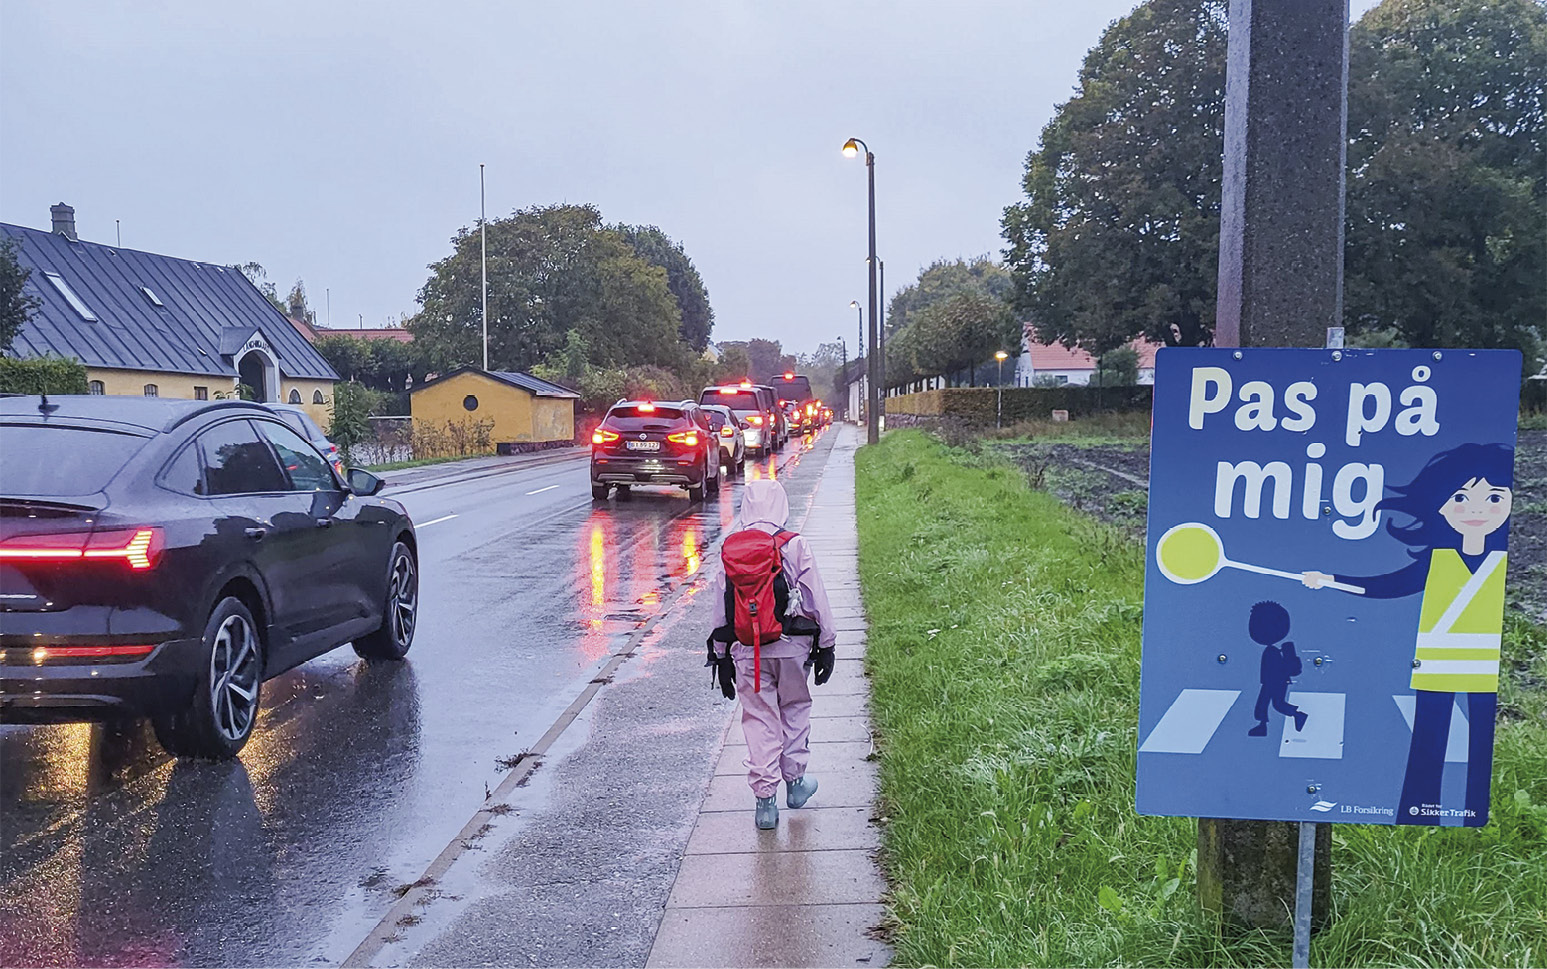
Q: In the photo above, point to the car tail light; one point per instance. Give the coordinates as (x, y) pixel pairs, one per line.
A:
(42, 654)
(600, 436)
(756, 420)
(727, 431)
(789, 375)
(138, 547)
(810, 408)
(690, 438)
(647, 408)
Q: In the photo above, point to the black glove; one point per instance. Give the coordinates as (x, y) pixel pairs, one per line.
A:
(823, 660)
(725, 669)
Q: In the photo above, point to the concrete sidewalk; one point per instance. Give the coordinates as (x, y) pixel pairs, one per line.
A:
(809, 892)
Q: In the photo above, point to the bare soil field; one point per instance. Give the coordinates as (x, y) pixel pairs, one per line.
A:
(1110, 480)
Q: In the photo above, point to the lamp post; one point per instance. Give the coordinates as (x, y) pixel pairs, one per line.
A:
(843, 371)
(483, 263)
(851, 149)
(999, 355)
(860, 354)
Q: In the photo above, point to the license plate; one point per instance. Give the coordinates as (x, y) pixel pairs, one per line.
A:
(643, 445)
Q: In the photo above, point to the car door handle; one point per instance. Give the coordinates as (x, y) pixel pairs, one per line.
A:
(255, 533)
(324, 523)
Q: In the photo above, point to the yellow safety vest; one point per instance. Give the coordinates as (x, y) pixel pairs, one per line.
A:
(1461, 625)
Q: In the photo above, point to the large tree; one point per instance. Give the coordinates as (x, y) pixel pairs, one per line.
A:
(1447, 214)
(910, 351)
(1119, 232)
(16, 304)
(1447, 220)
(687, 286)
(949, 336)
(552, 270)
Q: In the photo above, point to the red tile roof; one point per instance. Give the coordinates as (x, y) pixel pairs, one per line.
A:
(1059, 357)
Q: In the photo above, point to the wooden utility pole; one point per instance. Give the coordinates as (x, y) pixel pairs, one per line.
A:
(1280, 285)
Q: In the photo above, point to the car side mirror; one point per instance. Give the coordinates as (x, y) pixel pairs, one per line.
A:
(363, 483)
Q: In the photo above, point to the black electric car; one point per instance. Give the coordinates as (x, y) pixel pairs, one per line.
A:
(646, 442)
(163, 558)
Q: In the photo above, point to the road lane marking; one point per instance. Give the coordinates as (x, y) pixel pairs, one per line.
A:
(435, 521)
(541, 490)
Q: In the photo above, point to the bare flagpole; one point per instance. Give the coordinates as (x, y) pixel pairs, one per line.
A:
(483, 258)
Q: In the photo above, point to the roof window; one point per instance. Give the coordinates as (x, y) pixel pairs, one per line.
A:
(70, 297)
(155, 300)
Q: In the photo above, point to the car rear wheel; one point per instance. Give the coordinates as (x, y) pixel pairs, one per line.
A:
(599, 492)
(217, 722)
(401, 615)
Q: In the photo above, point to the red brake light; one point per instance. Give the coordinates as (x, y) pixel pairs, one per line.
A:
(647, 408)
(727, 431)
(727, 390)
(139, 547)
(601, 436)
(690, 438)
(746, 383)
(756, 420)
(811, 408)
(789, 375)
(41, 654)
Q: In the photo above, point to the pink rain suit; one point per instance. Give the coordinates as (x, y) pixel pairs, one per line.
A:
(777, 720)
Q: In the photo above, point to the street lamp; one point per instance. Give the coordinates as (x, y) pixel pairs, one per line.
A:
(843, 372)
(851, 149)
(860, 355)
(999, 355)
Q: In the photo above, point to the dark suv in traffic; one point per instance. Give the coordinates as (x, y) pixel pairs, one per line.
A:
(163, 558)
(648, 442)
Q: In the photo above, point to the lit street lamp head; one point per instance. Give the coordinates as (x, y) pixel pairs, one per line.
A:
(1000, 355)
(853, 147)
(854, 304)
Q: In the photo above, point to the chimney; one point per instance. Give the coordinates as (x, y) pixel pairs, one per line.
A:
(64, 220)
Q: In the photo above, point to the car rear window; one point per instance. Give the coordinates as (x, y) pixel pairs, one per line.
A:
(797, 388)
(633, 418)
(735, 400)
(297, 422)
(57, 460)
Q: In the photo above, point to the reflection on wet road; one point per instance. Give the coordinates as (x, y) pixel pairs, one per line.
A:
(357, 775)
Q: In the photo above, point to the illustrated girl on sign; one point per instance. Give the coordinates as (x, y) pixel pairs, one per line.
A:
(1455, 511)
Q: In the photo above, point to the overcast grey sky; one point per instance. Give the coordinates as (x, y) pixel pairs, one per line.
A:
(340, 142)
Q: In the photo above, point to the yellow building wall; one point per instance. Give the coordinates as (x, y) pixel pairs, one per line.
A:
(553, 420)
(321, 413)
(509, 408)
(131, 383)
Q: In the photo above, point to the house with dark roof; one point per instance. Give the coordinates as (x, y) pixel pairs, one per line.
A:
(522, 409)
(159, 326)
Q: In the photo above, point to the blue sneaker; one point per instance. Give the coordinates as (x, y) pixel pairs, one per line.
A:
(767, 816)
(799, 791)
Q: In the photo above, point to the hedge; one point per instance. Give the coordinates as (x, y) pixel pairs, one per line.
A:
(977, 405)
(42, 375)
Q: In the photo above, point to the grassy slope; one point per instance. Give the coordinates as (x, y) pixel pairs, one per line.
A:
(1004, 645)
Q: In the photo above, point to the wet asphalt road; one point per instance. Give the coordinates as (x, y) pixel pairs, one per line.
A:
(357, 775)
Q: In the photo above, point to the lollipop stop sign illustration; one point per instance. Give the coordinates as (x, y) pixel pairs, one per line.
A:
(1192, 552)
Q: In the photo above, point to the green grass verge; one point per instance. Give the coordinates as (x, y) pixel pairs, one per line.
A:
(1004, 646)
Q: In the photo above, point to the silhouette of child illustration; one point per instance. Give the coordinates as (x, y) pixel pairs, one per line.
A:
(1268, 625)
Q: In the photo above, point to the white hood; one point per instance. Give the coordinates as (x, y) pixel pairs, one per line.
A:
(763, 501)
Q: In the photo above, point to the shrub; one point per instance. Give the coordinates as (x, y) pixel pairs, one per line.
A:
(976, 406)
(42, 375)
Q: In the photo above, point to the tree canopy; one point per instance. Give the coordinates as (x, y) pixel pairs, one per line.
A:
(553, 270)
(16, 304)
(952, 318)
(1117, 235)
(682, 278)
(1447, 214)
(1119, 232)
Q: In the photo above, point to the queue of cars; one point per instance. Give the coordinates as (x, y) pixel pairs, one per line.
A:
(163, 558)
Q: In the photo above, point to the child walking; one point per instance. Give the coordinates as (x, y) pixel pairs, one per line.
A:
(770, 674)
(1267, 625)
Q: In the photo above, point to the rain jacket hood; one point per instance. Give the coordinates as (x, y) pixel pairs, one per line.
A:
(763, 502)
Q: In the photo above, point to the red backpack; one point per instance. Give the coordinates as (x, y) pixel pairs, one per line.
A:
(756, 592)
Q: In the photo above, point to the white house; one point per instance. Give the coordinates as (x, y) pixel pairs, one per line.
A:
(1062, 366)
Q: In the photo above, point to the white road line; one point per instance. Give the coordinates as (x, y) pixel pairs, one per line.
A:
(435, 521)
(541, 490)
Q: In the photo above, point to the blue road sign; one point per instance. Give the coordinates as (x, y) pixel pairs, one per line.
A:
(1324, 594)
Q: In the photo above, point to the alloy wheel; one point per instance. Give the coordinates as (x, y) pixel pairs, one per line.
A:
(233, 677)
(404, 602)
